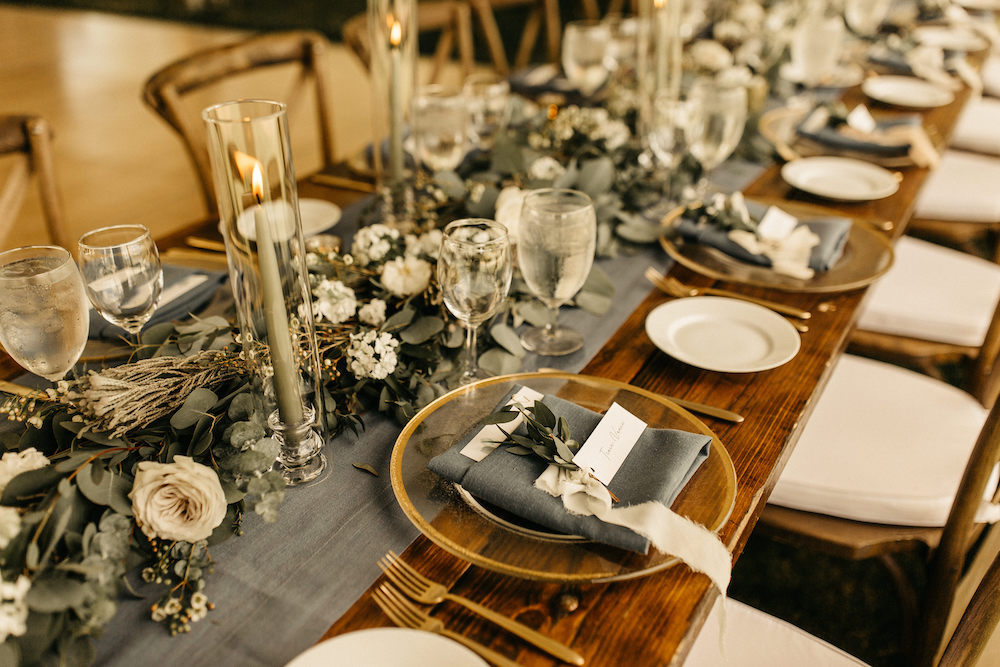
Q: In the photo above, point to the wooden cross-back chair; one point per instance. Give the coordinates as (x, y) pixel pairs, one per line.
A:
(451, 18)
(542, 13)
(26, 142)
(957, 553)
(166, 89)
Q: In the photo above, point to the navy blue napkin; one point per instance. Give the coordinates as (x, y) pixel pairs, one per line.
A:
(829, 136)
(177, 309)
(832, 233)
(657, 468)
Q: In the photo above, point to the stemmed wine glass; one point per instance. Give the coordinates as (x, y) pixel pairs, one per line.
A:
(44, 315)
(718, 116)
(584, 52)
(555, 250)
(122, 274)
(474, 270)
(440, 127)
(668, 134)
(487, 96)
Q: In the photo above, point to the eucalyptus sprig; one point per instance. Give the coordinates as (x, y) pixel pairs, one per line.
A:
(547, 436)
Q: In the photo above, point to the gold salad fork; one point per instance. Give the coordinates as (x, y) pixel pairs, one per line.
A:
(427, 591)
(403, 613)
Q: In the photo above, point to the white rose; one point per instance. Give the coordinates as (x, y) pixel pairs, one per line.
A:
(13, 464)
(546, 168)
(707, 54)
(181, 501)
(508, 210)
(404, 276)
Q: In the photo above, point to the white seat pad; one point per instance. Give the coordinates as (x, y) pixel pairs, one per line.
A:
(991, 76)
(933, 293)
(756, 639)
(977, 127)
(884, 445)
(963, 187)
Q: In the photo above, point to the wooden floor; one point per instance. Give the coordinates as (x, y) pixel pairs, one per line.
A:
(116, 160)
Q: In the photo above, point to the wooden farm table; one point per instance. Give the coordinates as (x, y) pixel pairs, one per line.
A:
(653, 620)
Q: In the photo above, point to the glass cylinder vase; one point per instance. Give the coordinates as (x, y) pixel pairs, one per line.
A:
(392, 34)
(259, 219)
(661, 45)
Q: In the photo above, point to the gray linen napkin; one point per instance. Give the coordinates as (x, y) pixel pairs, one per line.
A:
(832, 233)
(176, 309)
(658, 467)
(829, 136)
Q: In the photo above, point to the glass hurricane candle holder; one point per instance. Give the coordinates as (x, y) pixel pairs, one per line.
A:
(660, 46)
(259, 219)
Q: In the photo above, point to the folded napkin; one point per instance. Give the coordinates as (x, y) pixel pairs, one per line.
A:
(657, 468)
(926, 62)
(898, 136)
(539, 80)
(831, 231)
(184, 291)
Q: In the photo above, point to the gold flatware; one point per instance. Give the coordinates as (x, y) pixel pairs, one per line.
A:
(205, 244)
(20, 390)
(675, 287)
(342, 182)
(427, 591)
(195, 258)
(403, 613)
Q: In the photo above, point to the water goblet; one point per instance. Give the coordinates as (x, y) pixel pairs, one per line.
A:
(474, 271)
(718, 116)
(44, 315)
(557, 236)
(122, 274)
(668, 134)
(487, 96)
(584, 52)
(440, 127)
(815, 47)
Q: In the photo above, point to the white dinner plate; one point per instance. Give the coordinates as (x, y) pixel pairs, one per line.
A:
(317, 216)
(388, 647)
(720, 334)
(950, 38)
(906, 91)
(844, 75)
(840, 178)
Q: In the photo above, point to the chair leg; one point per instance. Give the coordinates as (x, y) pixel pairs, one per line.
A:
(907, 601)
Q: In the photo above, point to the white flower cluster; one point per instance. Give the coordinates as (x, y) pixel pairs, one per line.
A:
(10, 525)
(508, 209)
(335, 301)
(13, 607)
(372, 354)
(546, 168)
(404, 276)
(595, 123)
(428, 245)
(13, 464)
(373, 243)
(372, 313)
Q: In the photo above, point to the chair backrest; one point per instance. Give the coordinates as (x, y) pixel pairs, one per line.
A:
(964, 542)
(978, 623)
(452, 19)
(540, 12)
(27, 142)
(165, 90)
(985, 381)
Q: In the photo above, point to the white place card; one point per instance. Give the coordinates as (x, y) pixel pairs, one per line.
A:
(776, 225)
(607, 447)
(492, 435)
(861, 119)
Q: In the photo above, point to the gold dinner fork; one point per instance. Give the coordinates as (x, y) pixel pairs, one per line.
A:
(403, 613)
(427, 591)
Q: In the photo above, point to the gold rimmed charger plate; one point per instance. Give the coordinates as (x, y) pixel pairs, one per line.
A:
(867, 255)
(778, 127)
(471, 530)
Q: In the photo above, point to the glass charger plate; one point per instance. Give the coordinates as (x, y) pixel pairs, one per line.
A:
(867, 255)
(474, 531)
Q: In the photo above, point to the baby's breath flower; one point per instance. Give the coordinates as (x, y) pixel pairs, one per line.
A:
(373, 312)
(404, 276)
(372, 355)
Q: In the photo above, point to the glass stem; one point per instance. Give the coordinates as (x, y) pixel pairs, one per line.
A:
(471, 353)
(553, 323)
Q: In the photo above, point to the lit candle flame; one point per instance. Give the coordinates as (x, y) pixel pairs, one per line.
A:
(659, 3)
(257, 183)
(395, 33)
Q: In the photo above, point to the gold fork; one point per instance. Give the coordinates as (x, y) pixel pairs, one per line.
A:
(675, 287)
(427, 591)
(403, 613)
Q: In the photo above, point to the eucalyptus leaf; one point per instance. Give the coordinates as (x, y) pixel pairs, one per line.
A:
(55, 593)
(245, 432)
(533, 312)
(105, 488)
(508, 339)
(499, 362)
(422, 330)
(595, 304)
(241, 407)
(598, 282)
(519, 450)
(29, 483)
(486, 204)
(196, 405)
(596, 176)
(500, 417)
(454, 338)
(400, 319)
(636, 232)
(451, 183)
(543, 415)
(366, 467)
(232, 492)
(507, 156)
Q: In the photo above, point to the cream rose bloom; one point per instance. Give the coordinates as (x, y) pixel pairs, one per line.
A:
(181, 501)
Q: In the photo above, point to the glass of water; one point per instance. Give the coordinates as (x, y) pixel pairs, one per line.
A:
(44, 315)
(122, 274)
(440, 127)
(668, 134)
(718, 115)
(474, 271)
(585, 52)
(556, 240)
(487, 95)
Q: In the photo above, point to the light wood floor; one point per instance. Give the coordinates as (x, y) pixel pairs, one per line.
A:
(116, 160)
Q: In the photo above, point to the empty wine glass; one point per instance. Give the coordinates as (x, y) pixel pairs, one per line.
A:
(487, 95)
(122, 274)
(556, 239)
(44, 315)
(668, 134)
(440, 127)
(584, 52)
(474, 270)
(815, 47)
(718, 116)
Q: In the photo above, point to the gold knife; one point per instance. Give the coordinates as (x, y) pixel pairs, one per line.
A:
(773, 305)
(342, 183)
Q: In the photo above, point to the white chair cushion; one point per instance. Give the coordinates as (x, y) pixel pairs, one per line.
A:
(963, 187)
(884, 445)
(756, 639)
(977, 127)
(933, 293)
(991, 76)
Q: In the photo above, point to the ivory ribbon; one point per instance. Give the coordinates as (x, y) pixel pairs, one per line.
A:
(789, 255)
(668, 531)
